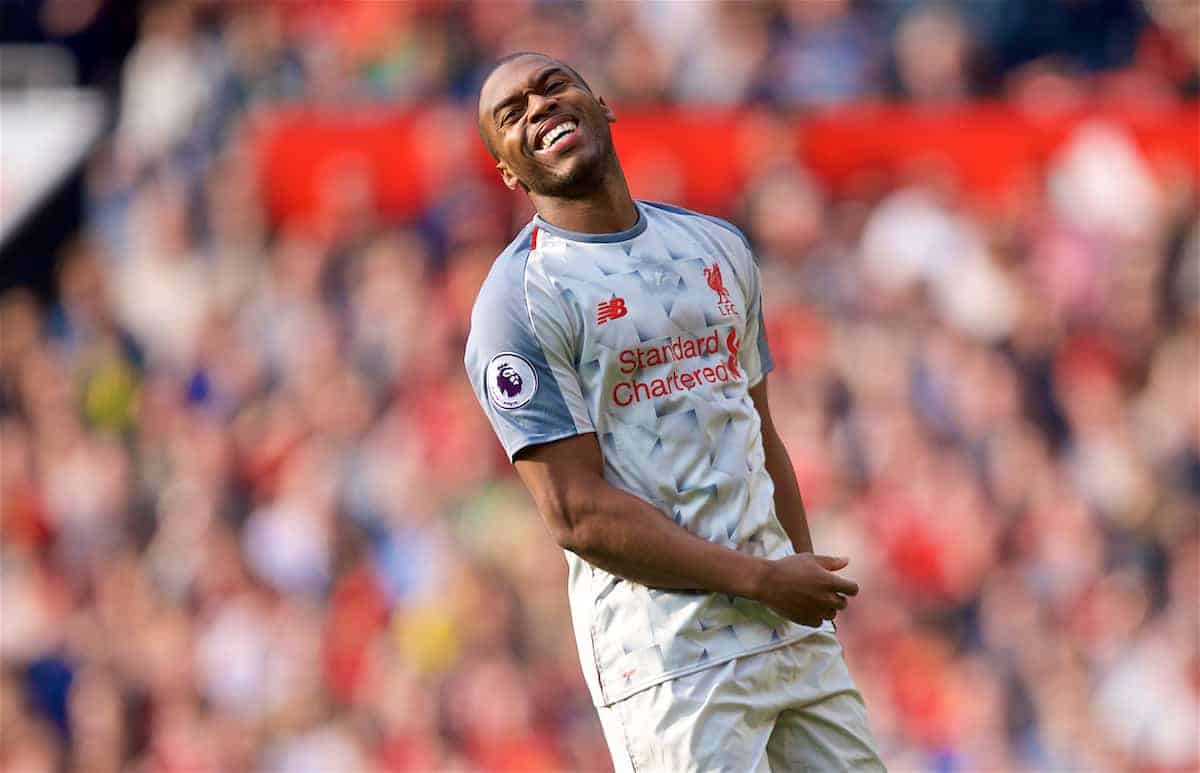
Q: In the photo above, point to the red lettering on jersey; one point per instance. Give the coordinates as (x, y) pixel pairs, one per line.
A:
(731, 343)
(609, 310)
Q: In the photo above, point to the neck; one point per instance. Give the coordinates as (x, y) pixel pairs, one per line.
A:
(608, 209)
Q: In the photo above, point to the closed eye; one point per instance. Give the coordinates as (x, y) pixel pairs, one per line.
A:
(553, 85)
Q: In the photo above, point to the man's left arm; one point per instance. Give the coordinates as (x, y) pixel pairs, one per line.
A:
(789, 507)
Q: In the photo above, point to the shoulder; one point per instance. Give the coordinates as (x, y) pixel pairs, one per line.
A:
(513, 295)
(714, 226)
(503, 289)
(500, 316)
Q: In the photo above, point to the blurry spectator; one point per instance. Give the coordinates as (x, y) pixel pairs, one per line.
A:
(162, 96)
(936, 57)
(1170, 48)
(726, 52)
(161, 287)
(827, 52)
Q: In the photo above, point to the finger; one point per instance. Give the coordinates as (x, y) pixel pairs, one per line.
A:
(832, 563)
(842, 585)
(838, 601)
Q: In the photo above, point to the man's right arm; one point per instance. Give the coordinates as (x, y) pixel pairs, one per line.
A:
(629, 538)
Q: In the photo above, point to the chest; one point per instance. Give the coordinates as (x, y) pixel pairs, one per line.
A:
(653, 334)
(621, 301)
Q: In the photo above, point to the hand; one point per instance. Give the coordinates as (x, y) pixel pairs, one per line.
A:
(803, 588)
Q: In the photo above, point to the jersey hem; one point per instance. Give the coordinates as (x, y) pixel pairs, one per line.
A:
(767, 368)
(675, 674)
(537, 440)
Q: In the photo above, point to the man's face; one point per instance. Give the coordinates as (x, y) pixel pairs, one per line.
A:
(547, 129)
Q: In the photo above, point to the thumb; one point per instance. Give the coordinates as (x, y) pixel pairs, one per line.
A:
(832, 563)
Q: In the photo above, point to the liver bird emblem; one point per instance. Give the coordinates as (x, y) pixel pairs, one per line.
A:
(717, 283)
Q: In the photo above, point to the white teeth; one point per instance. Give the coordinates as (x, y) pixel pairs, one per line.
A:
(552, 136)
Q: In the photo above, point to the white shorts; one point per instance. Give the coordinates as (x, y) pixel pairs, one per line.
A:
(790, 709)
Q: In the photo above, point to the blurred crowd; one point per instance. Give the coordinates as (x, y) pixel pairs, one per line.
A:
(253, 518)
(791, 53)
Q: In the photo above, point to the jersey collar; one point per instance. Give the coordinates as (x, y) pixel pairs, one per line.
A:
(577, 236)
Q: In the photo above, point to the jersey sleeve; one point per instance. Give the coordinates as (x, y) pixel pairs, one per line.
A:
(755, 358)
(520, 359)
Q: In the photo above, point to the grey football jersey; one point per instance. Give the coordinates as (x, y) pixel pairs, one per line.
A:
(650, 338)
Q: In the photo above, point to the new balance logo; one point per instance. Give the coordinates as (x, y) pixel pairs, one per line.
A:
(609, 310)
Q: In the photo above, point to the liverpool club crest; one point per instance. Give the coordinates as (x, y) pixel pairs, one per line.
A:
(725, 303)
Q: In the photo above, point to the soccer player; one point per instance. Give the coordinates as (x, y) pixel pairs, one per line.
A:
(617, 348)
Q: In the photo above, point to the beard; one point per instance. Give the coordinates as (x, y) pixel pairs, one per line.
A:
(581, 180)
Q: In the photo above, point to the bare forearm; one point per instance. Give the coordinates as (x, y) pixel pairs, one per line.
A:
(630, 538)
(789, 506)
(625, 536)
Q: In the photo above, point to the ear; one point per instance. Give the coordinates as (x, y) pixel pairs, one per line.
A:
(510, 179)
(608, 111)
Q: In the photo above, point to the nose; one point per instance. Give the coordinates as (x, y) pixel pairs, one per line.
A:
(541, 107)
